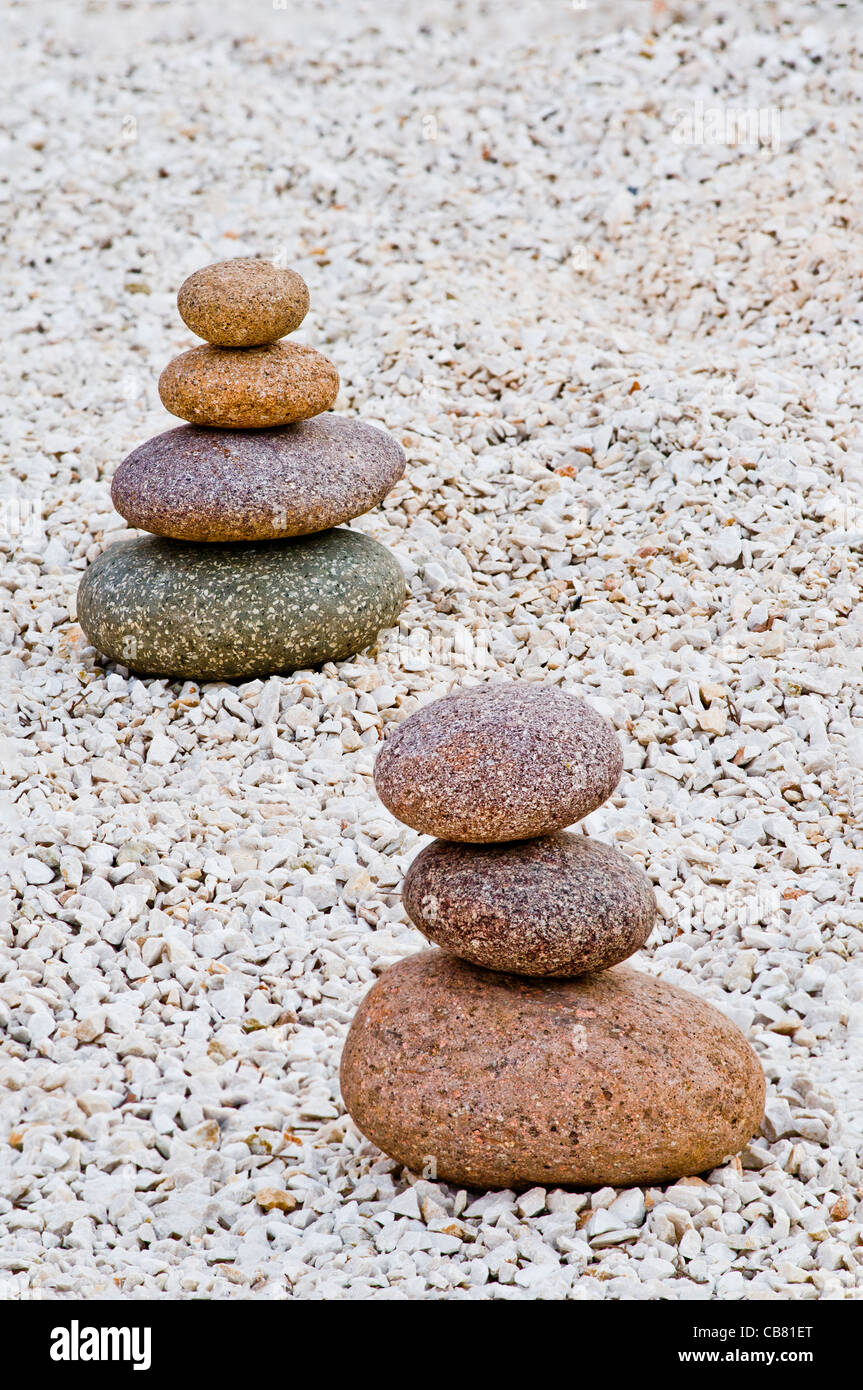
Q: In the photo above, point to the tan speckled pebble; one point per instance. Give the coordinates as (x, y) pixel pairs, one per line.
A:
(249, 388)
(490, 1080)
(243, 303)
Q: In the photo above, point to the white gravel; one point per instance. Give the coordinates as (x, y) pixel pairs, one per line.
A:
(624, 368)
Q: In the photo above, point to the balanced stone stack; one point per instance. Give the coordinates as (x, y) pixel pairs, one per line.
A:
(248, 570)
(515, 1056)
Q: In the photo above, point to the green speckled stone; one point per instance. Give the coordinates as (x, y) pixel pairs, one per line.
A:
(234, 611)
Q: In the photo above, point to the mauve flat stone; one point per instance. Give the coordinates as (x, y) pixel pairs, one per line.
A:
(496, 762)
(235, 611)
(243, 302)
(200, 484)
(494, 1081)
(560, 905)
(249, 388)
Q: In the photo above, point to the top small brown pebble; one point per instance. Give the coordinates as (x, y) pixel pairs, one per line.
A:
(243, 303)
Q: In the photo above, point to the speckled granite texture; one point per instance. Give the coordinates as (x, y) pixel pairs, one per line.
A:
(200, 484)
(498, 762)
(497, 1081)
(243, 302)
(249, 388)
(225, 612)
(560, 905)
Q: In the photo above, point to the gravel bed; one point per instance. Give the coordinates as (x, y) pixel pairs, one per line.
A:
(622, 354)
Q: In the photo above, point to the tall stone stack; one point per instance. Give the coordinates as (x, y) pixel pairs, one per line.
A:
(249, 569)
(523, 1053)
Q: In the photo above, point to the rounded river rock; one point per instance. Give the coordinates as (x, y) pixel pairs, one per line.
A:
(498, 1081)
(498, 762)
(202, 484)
(249, 388)
(231, 612)
(559, 905)
(243, 302)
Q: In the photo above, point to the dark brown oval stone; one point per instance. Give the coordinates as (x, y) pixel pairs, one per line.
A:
(490, 1080)
(503, 761)
(200, 484)
(560, 905)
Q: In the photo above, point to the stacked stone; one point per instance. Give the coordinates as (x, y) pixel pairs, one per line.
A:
(248, 570)
(523, 1053)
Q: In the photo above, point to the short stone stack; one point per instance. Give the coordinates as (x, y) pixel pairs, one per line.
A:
(248, 570)
(516, 1056)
